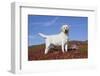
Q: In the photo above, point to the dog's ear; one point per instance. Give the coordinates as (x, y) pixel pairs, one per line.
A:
(62, 29)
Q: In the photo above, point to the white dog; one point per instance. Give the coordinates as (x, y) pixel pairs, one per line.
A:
(60, 39)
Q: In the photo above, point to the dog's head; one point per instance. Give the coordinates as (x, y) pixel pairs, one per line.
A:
(65, 29)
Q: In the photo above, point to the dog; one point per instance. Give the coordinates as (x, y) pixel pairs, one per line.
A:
(60, 39)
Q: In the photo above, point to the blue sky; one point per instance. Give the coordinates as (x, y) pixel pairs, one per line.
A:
(78, 27)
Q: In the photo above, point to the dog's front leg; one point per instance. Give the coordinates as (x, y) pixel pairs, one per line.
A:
(66, 47)
(63, 46)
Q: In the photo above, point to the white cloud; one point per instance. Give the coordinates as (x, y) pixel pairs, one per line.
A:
(49, 23)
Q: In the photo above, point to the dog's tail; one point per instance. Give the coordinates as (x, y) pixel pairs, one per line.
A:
(42, 35)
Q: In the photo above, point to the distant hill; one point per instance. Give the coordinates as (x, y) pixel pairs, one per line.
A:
(70, 42)
(78, 42)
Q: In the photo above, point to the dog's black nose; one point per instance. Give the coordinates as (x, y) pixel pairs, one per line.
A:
(66, 31)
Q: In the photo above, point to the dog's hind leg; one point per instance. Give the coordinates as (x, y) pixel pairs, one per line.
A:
(46, 50)
(47, 47)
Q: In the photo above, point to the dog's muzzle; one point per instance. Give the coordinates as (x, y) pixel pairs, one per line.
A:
(66, 31)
